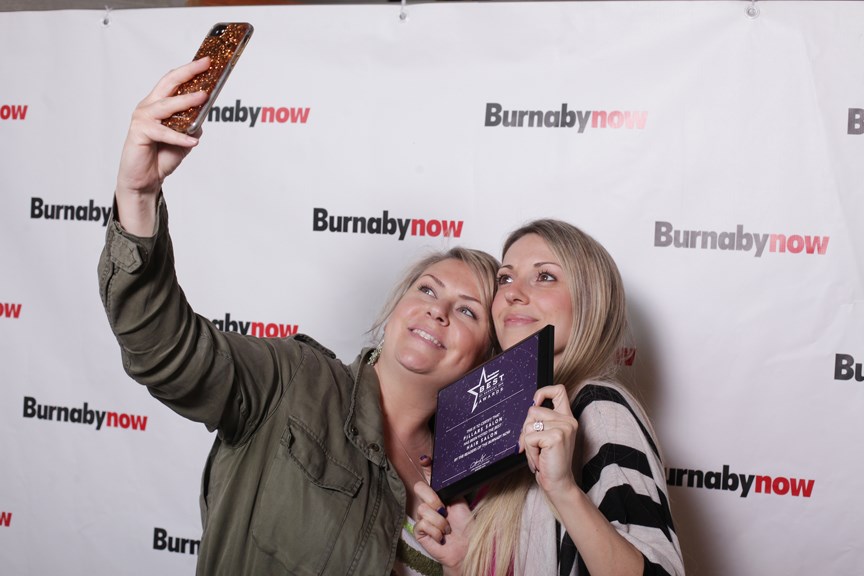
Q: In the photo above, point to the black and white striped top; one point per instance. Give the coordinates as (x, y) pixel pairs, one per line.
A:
(622, 474)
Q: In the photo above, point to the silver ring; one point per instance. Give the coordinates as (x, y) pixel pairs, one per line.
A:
(538, 426)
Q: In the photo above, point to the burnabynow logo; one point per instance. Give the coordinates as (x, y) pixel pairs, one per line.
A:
(83, 415)
(489, 386)
(665, 236)
(845, 368)
(5, 519)
(253, 114)
(87, 212)
(323, 222)
(564, 118)
(13, 112)
(856, 121)
(9, 310)
(162, 541)
(731, 482)
(258, 329)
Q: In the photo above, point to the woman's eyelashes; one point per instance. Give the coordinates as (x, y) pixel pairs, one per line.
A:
(542, 276)
(463, 309)
(467, 311)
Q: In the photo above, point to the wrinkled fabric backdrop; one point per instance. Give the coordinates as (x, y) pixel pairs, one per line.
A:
(716, 154)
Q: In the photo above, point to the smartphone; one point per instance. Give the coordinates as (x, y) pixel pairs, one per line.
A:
(223, 44)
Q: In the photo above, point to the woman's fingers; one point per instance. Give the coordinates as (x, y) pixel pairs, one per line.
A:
(431, 524)
(165, 107)
(432, 514)
(174, 78)
(156, 132)
(549, 434)
(152, 151)
(146, 129)
(146, 125)
(442, 530)
(557, 394)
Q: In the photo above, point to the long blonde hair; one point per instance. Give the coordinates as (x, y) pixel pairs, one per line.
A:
(599, 324)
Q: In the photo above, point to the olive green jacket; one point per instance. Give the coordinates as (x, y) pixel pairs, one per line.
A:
(298, 481)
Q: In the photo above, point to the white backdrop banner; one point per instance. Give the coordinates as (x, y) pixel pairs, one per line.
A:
(715, 154)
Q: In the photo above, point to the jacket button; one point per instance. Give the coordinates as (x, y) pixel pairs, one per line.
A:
(374, 447)
(354, 431)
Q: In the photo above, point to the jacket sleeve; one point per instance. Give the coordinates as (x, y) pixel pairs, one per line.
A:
(622, 473)
(226, 381)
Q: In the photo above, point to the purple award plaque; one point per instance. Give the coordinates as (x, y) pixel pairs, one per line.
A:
(480, 416)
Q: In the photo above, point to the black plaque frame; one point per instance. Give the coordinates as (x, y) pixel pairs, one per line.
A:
(527, 366)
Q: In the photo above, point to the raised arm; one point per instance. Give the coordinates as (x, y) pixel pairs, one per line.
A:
(620, 523)
(224, 380)
(153, 151)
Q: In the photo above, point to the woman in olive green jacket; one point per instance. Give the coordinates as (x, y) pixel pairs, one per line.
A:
(309, 470)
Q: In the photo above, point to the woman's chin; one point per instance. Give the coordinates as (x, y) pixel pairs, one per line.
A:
(513, 335)
(418, 362)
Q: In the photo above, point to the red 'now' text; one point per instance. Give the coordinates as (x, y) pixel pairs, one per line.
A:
(13, 112)
(9, 310)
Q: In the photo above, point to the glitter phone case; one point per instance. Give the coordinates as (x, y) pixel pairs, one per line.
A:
(223, 44)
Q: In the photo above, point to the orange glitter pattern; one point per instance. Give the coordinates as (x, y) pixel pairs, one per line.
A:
(221, 51)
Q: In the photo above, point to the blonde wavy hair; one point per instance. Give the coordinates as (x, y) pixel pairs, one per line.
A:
(483, 265)
(599, 325)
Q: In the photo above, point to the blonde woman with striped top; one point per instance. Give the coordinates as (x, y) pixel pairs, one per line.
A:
(593, 499)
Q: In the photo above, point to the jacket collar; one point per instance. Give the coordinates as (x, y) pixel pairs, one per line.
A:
(364, 425)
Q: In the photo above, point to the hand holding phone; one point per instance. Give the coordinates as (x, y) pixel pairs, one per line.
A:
(223, 44)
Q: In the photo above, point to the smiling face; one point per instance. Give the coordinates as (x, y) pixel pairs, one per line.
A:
(532, 292)
(440, 326)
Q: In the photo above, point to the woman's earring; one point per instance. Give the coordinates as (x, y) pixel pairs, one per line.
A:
(376, 353)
